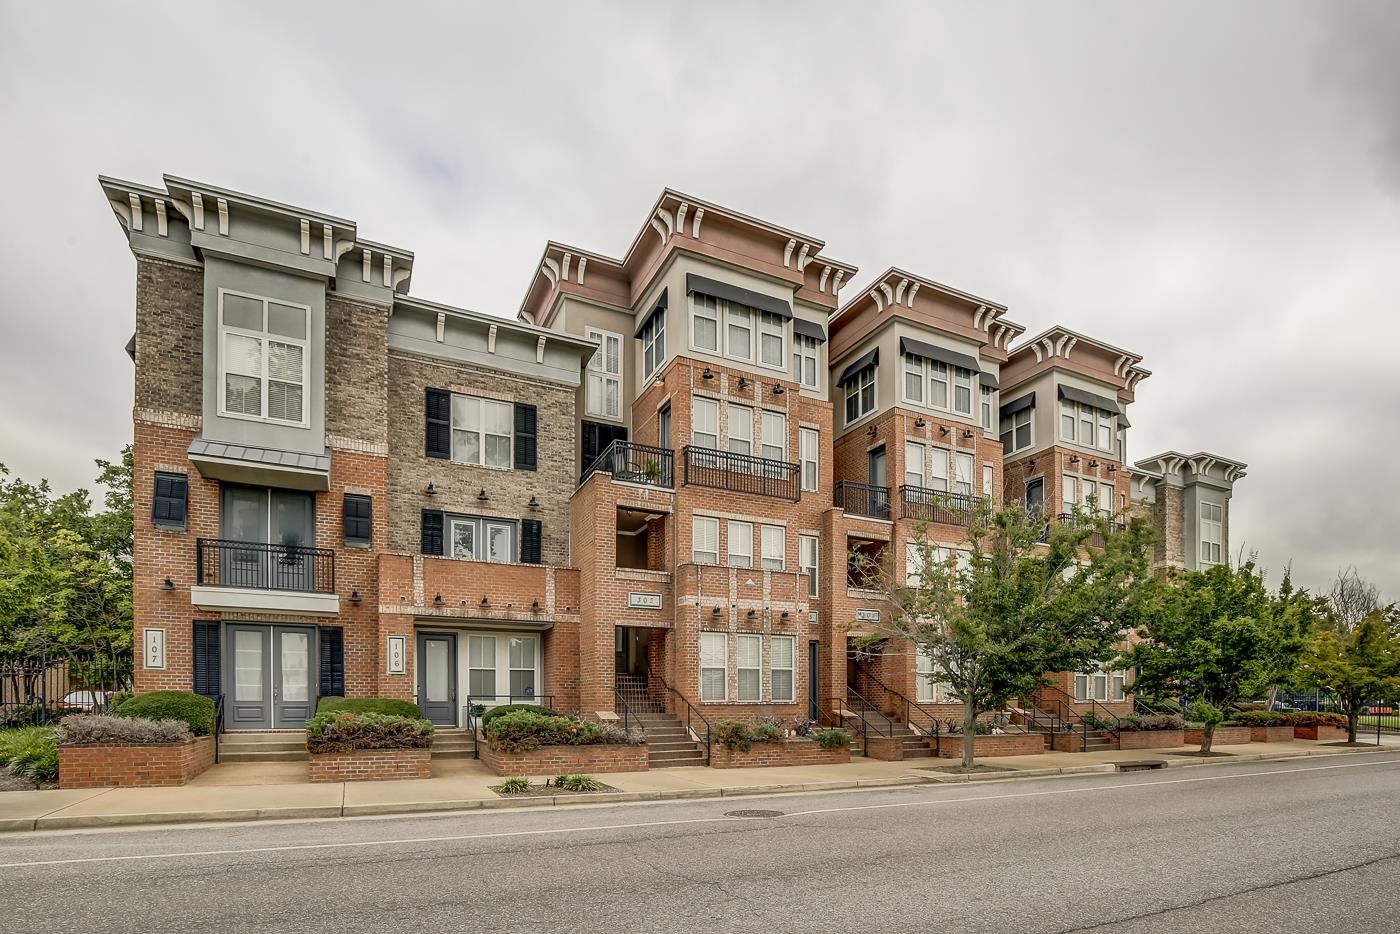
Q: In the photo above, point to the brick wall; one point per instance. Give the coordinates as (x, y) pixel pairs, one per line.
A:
(764, 755)
(169, 336)
(1007, 744)
(370, 765)
(1153, 739)
(1224, 736)
(555, 760)
(133, 766)
(357, 371)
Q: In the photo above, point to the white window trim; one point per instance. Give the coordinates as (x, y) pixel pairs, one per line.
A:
(730, 537)
(724, 667)
(739, 640)
(718, 410)
(790, 668)
(781, 335)
(925, 368)
(764, 555)
(800, 343)
(990, 394)
(763, 434)
(1218, 526)
(480, 537)
(695, 521)
(811, 570)
(855, 382)
(1087, 678)
(606, 375)
(803, 460)
(718, 349)
(222, 330)
(452, 432)
(1030, 414)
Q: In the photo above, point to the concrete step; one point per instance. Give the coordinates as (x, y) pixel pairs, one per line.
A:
(679, 755)
(272, 756)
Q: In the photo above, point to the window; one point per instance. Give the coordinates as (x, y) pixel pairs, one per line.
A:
(1105, 441)
(913, 464)
(860, 394)
(962, 391)
(714, 646)
(480, 539)
(770, 339)
(923, 669)
(988, 407)
(962, 473)
(1069, 498)
(749, 662)
(780, 663)
(938, 469)
(605, 374)
(172, 494)
(1069, 415)
(1016, 434)
(482, 431)
(1212, 532)
(986, 479)
(704, 540)
(740, 543)
(738, 333)
(807, 549)
(808, 441)
(774, 435)
(1106, 498)
(357, 519)
(916, 558)
(263, 351)
(740, 429)
(1100, 684)
(481, 667)
(522, 666)
(704, 322)
(1086, 425)
(804, 360)
(913, 379)
(653, 337)
(704, 428)
(774, 542)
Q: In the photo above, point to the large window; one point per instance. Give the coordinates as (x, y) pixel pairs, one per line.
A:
(808, 547)
(774, 542)
(704, 423)
(714, 647)
(770, 339)
(522, 666)
(704, 322)
(804, 360)
(1086, 425)
(962, 391)
(704, 540)
(774, 438)
(808, 441)
(913, 464)
(1100, 684)
(749, 663)
(1212, 533)
(860, 395)
(739, 543)
(923, 671)
(481, 667)
(482, 431)
(938, 469)
(738, 332)
(1016, 432)
(962, 473)
(740, 429)
(605, 374)
(653, 338)
(780, 663)
(988, 407)
(934, 384)
(478, 538)
(264, 352)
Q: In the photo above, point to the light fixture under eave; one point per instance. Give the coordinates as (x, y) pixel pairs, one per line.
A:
(1093, 463)
(743, 383)
(437, 601)
(967, 433)
(714, 612)
(535, 607)
(785, 615)
(778, 389)
(920, 423)
(482, 497)
(485, 602)
(355, 597)
(1030, 464)
(870, 430)
(1112, 468)
(753, 614)
(533, 505)
(1074, 459)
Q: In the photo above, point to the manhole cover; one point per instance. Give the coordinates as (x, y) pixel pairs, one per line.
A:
(753, 814)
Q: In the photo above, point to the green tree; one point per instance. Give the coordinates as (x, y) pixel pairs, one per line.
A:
(1026, 599)
(1218, 636)
(1356, 666)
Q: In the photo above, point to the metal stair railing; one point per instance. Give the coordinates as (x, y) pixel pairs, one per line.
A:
(908, 705)
(691, 714)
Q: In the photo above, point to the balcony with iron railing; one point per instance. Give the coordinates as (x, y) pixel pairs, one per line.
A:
(264, 566)
(1095, 540)
(740, 473)
(630, 462)
(863, 499)
(926, 505)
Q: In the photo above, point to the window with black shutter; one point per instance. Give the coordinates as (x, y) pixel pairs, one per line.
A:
(438, 424)
(332, 661)
(206, 658)
(431, 539)
(168, 506)
(531, 531)
(525, 418)
(359, 527)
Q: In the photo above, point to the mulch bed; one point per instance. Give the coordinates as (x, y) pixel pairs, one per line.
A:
(553, 791)
(1357, 745)
(10, 782)
(962, 771)
(1203, 755)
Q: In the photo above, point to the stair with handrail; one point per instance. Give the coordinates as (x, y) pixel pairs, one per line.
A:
(670, 742)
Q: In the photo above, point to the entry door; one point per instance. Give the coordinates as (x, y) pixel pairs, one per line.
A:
(270, 674)
(293, 696)
(879, 501)
(813, 680)
(1035, 496)
(437, 677)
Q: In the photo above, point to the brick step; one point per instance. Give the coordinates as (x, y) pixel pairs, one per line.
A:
(452, 754)
(683, 746)
(276, 755)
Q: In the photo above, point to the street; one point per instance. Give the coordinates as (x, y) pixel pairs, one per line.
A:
(1309, 845)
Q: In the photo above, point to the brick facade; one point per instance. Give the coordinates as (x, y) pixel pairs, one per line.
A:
(988, 746)
(557, 760)
(369, 765)
(765, 755)
(134, 766)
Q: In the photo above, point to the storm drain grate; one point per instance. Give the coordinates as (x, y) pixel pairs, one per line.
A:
(753, 814)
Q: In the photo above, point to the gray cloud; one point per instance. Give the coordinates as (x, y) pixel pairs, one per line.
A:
(1212, 185)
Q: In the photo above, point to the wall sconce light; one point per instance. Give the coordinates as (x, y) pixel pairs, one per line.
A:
(355, 597)
(1074, 458)
(743, 384)
(1030, 464)
(1112, 468)
(707, 374)
(967, 433)
(870, 430)
(778, 389)
(1093, 463)
(437, 601)
(919, 422)
(482, 497)
(753, 614)
(785, 615)
(485, 602)
(533, 505)
(942, 429)
(431, 490)
(168, 585)
(535, 607)
(658, 383)
(714, 612)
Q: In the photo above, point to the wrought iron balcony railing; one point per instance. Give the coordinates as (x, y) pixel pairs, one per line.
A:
(741, 473)
(636, 463)
(264, 566)
(862, 499)
(926, 505)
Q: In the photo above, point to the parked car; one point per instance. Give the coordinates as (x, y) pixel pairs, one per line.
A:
(83, 700)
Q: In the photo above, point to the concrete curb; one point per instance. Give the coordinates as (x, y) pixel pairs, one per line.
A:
(61, 822)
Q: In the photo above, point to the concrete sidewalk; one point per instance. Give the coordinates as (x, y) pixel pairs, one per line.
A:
(279, 790)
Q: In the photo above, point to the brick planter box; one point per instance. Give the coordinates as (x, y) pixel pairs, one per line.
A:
(1006, 744)
(1224, 736)
(133, 766)
(1151, 739)
(1325, 734)
(792, 752)
(885, 748)
(555, 760)
(1271, 734)
(369, 765)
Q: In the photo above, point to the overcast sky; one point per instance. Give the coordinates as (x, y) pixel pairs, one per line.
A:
(1213, 185)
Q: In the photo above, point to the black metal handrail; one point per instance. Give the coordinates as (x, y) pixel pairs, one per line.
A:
(1094, 711)
(741, 473)
(926, 505)
(628, 717)
(218, 723)
(635, 463)
(223, 562)
(472, 701)
(691, 714)
(862, 499)
(908, 705)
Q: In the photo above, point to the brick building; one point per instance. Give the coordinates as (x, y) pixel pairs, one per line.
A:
(649, 482)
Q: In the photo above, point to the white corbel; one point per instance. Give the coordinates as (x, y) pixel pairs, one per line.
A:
(223, 217)
(1118, 365)
(836, 283)
(539, 350)
(1049, 347)
(364, 272)
(1001, 332)
(1060, 346)
(388, 270)
(665, 218)
(401, 274)
(821, 286)
(326, 245)
(889, 293)
(564, 266)
(879, 302)
(1039, 357)
(441, 326)
(582, 264)
(491, 339)
(695, 223)
(343, 247)
(135, 201)
(1070, 346)
(162, 221)
(899, 291)
(661, 230)
(305, 237)
(197, 206)
(787, 253)
(913, 290)
(550, 269)
(977, 317)
(680, 215)
(802, 257)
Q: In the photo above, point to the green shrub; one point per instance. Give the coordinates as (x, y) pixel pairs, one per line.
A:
(495, 712)
(14, 716)
(387, 706)
(1311, 718)
(526, 729)
(340, 731)
(118, 698)
(831, 738)
(99, 730)
(1262, 718)
(1151, 723)
(515, 785)
(30, 752)
(732, 734)
(578, 783)
(955, 727)
(767, 733)
(195, 710)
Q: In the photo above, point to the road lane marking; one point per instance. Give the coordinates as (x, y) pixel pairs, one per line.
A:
(634, 825)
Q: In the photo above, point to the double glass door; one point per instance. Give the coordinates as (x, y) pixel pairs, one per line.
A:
(269, 677)
(279, 528)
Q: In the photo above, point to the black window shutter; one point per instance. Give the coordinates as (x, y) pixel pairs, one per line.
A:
(171, 496)
(332, 662)
(524, 436)
(432, 532)
(206, 657)
(531, 531)
(438, 430)
(588, 445)
(358, 511)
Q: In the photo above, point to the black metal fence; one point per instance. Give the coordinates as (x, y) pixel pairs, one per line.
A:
(262, 566)
(636, 463)
(862, 499)
(741, 473)
(39, 689)
(926, 505)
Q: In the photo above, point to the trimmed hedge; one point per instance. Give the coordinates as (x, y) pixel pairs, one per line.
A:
(524, 730)
(1150, 724)
(495, 712)
(342, 731)
(98, 730)
(194, 710)
(1263, 718)
(831, 738)
(1308, 718)
(387, 706)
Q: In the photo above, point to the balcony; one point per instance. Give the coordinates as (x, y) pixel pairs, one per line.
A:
(1095, 539)
(741, 473)
(862, 499)
(234, 575)
(636, 463)
(925, 505)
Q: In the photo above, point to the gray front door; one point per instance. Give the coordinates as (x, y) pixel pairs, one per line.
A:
(270, 677)
(436, 662)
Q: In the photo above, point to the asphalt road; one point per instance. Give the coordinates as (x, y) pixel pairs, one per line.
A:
(1310, 845)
